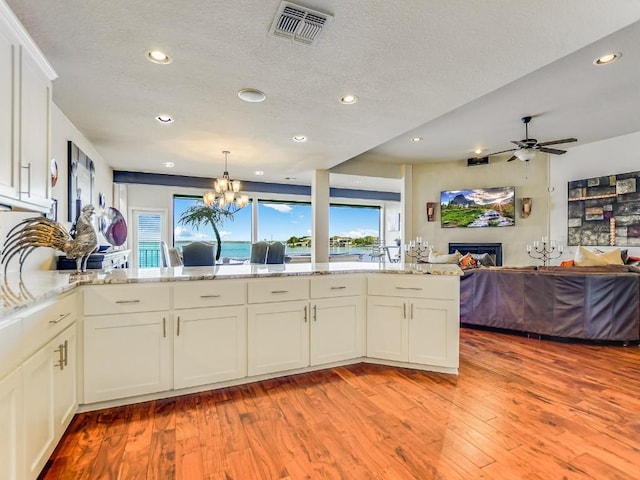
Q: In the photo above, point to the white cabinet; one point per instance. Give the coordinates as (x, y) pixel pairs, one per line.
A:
(65, 397)
(337, 320)
(278, 336)
(126, 355)
(35, 101)
(209, 345)
(8, 101)
(414, 319)
(11, 431)
(25, 109)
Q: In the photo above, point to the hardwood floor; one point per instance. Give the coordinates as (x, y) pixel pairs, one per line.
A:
(520, 409)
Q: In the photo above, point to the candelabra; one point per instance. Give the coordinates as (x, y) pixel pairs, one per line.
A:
(417, 249)
(545, 250)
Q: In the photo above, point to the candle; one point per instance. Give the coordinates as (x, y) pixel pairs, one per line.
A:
(544, 239)
(528, 248)
(560, 248)
(535, 244)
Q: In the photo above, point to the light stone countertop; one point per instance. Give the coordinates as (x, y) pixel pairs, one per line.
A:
(18, 292)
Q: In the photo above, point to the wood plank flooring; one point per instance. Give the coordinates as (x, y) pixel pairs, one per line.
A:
(520, 409)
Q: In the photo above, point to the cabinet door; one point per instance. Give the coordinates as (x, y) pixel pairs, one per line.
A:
(209, 345)
(337, 330)
(278, 337)
(35, 98)
(8, 99)
(11, 444)
(39, 426)
(126, 355)
(387, 328)
(434, 332)
(65, 385)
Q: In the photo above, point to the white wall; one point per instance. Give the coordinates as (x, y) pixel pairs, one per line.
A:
(530, 180)
(607, 157)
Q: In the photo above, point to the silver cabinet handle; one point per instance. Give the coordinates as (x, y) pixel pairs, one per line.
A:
(127, 301)
(279, 291)
(305, 314)
(178, 327)
(164, 327)
(315, 316)
(60, 318)
(66, 353)
(28, 167)
(60, 357)
(211, 296)
(404, 310)
(338, 288)
(409, 288)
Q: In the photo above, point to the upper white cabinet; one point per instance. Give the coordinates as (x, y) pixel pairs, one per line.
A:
(25, 111)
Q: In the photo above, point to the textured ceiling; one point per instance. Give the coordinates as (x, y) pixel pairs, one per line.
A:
(424, 67)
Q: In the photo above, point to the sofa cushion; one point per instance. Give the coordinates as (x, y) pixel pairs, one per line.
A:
(437, 257)
(586, 258)
(485, 259)
(467, 261)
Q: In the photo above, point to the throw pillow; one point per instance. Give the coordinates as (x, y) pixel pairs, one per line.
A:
(585, 258)
(467, 261)
(567, 263)
(437, 257)
(485, 259)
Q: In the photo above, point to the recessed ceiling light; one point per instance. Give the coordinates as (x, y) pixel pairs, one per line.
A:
(607, 59)
(165, 119)
(252, 95)
(477, 151)
(299, 138)
(158, 56)
(168, 164)
(258, 172)
(349, 99)
(416, 139)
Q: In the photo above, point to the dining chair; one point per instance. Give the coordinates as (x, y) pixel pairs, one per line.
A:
(377, 252)
(198, 254)
(275, 253)
(259, 252)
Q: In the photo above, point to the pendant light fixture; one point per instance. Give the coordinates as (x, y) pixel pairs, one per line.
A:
(226, 192)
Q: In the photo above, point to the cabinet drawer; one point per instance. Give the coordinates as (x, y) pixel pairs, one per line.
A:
(278, 289)
(213, 293)
(10, 345)
(443, 287)
(127, 298)
(43, 324)
(327, 286)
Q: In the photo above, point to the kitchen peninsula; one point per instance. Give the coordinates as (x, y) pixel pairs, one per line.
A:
(104, 339)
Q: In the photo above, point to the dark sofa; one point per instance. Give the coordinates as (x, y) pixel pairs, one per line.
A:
(595, 303)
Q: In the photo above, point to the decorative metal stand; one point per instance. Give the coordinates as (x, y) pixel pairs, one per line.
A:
(417, 250)
(545, 251)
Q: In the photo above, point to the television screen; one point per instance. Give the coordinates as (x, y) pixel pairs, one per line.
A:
(478, 207)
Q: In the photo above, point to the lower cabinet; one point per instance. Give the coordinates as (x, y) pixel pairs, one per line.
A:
(387, 328)
(278, 337)
(209, 345)
(11, 431)
(337, 330)
(126, 355)
(434, 332)
(47, 405)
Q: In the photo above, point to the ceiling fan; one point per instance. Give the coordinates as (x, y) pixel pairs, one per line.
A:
(528, 147)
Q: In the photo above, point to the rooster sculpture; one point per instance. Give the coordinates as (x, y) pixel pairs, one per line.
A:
(42, 232)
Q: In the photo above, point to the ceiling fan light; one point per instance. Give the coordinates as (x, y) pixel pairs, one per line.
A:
(525, 154)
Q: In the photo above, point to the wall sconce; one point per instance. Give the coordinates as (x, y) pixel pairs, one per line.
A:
(431, 210)
(526, 207)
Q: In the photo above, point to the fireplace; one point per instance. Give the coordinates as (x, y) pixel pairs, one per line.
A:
(493, 249)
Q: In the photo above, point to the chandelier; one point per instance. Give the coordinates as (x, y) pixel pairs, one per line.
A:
(226, 192)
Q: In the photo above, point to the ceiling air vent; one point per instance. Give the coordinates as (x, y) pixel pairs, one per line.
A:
(299, 23)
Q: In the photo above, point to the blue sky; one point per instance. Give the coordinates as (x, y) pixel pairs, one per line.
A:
(280, 221)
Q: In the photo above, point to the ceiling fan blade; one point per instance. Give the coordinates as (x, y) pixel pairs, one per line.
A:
(555, 151)
(520, 143)
(556, 142)
(512, 158)
(503, 151)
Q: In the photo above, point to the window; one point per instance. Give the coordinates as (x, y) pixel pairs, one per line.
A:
(287, 222)
(353, 229)
(148, 234)
(235, 234)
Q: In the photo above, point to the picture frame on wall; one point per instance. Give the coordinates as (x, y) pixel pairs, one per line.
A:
(81, 180)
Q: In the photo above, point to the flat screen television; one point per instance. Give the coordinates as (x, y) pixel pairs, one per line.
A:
(478, 207)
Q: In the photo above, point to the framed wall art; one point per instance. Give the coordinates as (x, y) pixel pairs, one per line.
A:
(81, 179)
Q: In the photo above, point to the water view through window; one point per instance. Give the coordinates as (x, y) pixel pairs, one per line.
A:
(353, 229)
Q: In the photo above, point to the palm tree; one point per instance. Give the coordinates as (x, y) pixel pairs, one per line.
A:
(200, 213)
